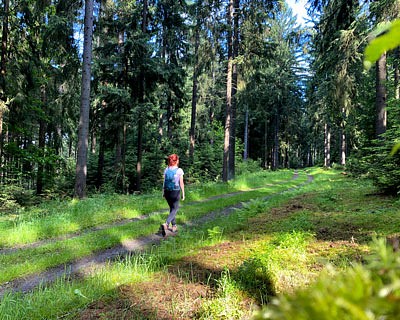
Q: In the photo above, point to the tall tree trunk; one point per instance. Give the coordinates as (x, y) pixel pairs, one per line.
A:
(265, 142)
(160, 127)
(4, 41)
(121, 161)
(246, 134)
(343, 139)
(142, 97)
(380, 103)
(192, 136)
(102, 13)
(124, 182)
(212, 107)
(327, 146)
(40, 170)
(83, 132)
(228, 108)
(396, 74)
(102, 147)
(118, 151)
(42, 141)
(235, 54)
(170, 120)
(139, 151)
(3, 62)
(275, 152)
(286, 162)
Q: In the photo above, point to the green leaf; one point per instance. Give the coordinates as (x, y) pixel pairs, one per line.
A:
(395, 149)
(388, 39)
(79, 293)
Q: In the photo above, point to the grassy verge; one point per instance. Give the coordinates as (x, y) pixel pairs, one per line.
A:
(232, 265)
(29, 260)
(54, 218)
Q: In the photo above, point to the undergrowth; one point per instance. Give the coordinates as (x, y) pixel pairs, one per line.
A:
(364, 291)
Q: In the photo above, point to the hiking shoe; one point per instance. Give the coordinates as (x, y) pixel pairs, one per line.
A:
(164, 228)
(174, 228)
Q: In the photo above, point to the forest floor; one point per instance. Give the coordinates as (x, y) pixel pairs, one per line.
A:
(228, 260)
(86, 265)
(170, 296)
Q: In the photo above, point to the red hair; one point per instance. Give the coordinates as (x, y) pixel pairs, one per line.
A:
(173, 159)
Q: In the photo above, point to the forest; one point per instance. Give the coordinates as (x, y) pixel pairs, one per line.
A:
(288, 134)
(95, 95)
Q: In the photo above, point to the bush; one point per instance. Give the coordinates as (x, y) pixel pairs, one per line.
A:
(370, 291)
(377, 163)
(8, 199)
(248, 166)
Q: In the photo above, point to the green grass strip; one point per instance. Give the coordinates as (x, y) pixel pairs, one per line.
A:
(57, 218)
(32, 260)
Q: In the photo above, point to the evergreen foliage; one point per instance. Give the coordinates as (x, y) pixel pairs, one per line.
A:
(380, 159)
(159, 86)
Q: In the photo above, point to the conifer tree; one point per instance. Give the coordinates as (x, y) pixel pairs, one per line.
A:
(83, 134)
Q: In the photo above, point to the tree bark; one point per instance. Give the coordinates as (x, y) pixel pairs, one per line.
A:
(246, 134)
(266, 143)
(121, 161)
(83, 131)
(327, 146)
(235, 54)
(396, 74)
(380, 103)
(42, 142)
(3, 63)
(124, 182)
(275, 152)
(192, 136)
(343, 139)
(102, 146)
(142, 96)
(228, 108)
(4, 41)
(160, 127)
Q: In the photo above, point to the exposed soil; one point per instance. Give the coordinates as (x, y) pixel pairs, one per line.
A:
(176, 294)
(162, 298)
(156, 298)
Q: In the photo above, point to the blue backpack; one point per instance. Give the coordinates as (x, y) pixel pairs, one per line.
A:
(169, 181)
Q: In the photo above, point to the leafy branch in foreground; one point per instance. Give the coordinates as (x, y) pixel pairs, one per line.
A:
(386, 37)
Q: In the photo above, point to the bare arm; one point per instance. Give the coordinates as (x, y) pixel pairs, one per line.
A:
(182, 185)
(163, 185)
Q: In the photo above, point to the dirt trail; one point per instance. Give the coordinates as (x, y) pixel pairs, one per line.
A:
(90, 263)
(123, 222)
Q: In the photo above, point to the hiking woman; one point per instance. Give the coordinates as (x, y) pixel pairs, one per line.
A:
(173, 189)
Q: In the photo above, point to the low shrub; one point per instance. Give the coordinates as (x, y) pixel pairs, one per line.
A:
(8, 199)
(369, 291)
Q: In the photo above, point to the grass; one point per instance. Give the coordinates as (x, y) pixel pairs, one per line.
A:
(226, 268)
(31, 260)
(54, 218)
